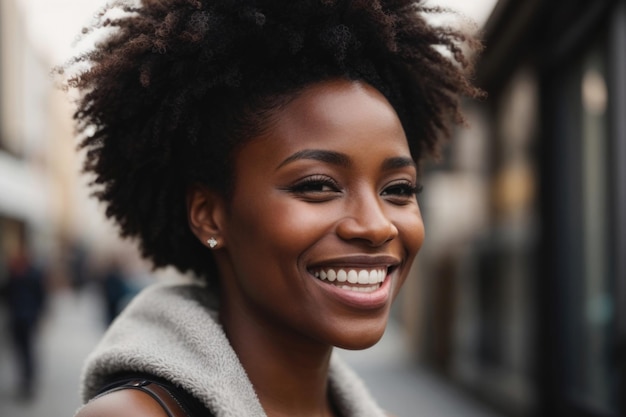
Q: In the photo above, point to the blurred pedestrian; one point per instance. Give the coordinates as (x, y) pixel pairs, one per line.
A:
(115, 289)
(25, 293)
(77, 263)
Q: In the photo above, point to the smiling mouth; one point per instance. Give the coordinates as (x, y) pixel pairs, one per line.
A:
(353, 279)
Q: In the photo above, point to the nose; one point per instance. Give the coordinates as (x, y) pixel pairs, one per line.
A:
(366, 220)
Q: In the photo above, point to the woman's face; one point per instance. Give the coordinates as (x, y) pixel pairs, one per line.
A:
(323, 224)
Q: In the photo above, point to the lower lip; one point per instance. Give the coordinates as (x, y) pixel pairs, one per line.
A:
(361, 300)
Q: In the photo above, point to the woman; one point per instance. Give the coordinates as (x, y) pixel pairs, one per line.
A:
(272, 149)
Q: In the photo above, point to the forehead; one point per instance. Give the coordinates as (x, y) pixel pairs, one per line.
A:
(341, 115)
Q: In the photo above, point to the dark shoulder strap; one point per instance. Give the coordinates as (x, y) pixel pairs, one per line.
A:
(175, 401)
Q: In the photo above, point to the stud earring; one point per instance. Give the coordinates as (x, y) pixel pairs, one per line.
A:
(212, 242)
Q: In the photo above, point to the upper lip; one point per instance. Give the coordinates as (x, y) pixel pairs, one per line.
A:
(364, 261)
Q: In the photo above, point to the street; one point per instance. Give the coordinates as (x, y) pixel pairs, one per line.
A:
(72, 327)
(74, 324)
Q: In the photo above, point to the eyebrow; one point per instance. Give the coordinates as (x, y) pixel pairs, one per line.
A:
(330, 157)
(341, 159)
(398, 162)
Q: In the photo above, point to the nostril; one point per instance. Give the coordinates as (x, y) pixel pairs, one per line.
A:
(374, 232)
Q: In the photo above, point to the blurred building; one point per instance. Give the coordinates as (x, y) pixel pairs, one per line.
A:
(28, 178)
(43, 200)
(522, 288)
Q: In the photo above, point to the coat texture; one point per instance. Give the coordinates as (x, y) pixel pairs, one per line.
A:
(172, 332)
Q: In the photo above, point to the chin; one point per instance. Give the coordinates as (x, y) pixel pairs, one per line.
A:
(358, 346)
(360, 340)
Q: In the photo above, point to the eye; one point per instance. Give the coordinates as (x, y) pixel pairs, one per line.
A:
(401, 192)
(315, 188)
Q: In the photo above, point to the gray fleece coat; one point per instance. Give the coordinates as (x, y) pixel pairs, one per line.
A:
(171, 331)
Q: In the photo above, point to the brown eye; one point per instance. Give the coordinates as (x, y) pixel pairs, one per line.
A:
(316, 188)
(401, 192)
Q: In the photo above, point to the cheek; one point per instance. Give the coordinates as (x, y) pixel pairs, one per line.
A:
(280, 224)
(411, 233)
(411, 229)
(418, 234)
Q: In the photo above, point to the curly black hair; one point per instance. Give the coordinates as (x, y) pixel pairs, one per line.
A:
(177, 85)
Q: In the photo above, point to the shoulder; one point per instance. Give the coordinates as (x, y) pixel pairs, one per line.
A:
(122, 403)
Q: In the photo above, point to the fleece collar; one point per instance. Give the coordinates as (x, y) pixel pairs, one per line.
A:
(171, 331)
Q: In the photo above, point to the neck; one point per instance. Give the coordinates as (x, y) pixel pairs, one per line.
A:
(289, 374)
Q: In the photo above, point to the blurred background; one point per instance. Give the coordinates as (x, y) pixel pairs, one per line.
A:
(517, 306)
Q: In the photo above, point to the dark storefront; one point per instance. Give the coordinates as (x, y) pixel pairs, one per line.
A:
(539, 323)
(583, 74)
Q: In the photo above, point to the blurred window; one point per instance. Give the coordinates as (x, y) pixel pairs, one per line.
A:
(589, 286)
(13, 49)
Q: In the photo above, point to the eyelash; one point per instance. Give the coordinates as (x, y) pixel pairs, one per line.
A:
(406, 189)
(316, 183)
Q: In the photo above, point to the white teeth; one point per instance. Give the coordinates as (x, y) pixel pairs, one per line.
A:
(332, 275)
(371, 277)
(360, 289)
(342, 276)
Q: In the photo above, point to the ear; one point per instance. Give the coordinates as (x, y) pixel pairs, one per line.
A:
(206, 212)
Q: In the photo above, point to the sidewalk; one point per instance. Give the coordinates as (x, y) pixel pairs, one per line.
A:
(405, 390)
(70, 330)
(74, 324)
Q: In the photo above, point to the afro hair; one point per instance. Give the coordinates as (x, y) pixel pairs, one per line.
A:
(177, 85)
